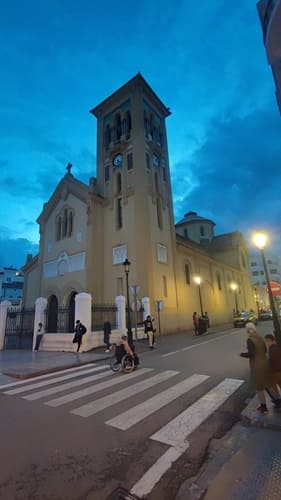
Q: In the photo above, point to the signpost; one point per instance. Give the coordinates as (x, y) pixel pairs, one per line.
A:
(159, 306)
(275, 288)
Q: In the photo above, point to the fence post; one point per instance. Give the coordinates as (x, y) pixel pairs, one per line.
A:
(120, 302)
(83, 312)
(146, 306)
(39, 317)
(3, 318)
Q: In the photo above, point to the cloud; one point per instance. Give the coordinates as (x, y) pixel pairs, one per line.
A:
(13, 251)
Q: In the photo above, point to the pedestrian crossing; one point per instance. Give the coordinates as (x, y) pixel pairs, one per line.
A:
(92, 389)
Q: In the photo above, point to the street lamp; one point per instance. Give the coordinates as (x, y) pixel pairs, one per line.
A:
(198, 281)
(126, 265)
(260, 240)
(234, 288)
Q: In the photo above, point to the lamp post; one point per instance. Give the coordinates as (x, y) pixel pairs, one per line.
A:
(234, 288)
(126, 265)
(260, 240)
(198, 281)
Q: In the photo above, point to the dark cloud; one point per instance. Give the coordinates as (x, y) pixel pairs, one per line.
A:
(13, 252)
(234, 177)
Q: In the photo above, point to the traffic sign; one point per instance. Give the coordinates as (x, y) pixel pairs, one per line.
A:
(136, 305)
(275, 288)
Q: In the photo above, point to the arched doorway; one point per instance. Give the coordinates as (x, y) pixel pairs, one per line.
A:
(71, 315)
(52, 324)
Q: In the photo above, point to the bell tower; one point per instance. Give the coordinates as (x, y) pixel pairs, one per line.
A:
(133, 177)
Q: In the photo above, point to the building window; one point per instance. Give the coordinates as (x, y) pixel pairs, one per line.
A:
(128, 124)
(65, 221)
(118, 184)
(119, 213)
(202, 231)
(147, 157)
(130, 161)
(219, 281)
(261, 273)
(58, 228)
(118, 126)
(185, 232)
(253, 264)
(106, 173)
(165, 289)
(120, 290)
(255, 273)
(70, 224)
(269, 261)
(274, 271)
(164, 175)
(187, 274)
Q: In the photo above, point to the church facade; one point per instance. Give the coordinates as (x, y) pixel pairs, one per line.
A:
(126, 211)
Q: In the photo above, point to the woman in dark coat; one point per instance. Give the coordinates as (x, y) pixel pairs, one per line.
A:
(258, 364)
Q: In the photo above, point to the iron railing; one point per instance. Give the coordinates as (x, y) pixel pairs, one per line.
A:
(102, 312)
(19, 328)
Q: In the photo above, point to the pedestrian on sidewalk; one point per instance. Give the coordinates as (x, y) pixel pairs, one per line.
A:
(195, 320)
(274, 360)
(256, 354)
(106, 334)
(39, 335)
(207, 319)
(79, 331)
(149, 330)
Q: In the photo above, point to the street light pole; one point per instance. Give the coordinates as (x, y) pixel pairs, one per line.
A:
(260, 242)
(126, 265)
(234, 288)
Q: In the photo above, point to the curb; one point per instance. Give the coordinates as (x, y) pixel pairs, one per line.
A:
(250, 417)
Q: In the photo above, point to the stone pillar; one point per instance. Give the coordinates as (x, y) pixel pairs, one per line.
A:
(3, 316)
(40, 307)
(83, 310)
(120, 302)
(146, 306)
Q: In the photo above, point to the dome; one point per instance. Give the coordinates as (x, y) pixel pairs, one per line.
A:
(191, 217)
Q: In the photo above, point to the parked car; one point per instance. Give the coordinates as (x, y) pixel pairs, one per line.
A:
(242, 318)
(264, 315)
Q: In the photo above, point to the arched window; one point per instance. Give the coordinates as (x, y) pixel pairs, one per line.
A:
(119, 214)
(159, 213)
(187, 274)
(70, 224)
(58, 228)
(65, 221)
(128, 124)
(118, 126)
(219, 281)
(202, 231)
(185, 232)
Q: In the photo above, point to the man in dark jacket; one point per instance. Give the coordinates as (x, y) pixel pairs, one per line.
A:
(79, 331)
(106, 334)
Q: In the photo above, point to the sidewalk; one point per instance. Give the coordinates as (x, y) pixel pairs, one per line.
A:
(245, 464)
(25, 364)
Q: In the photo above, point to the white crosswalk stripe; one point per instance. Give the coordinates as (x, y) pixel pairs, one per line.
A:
(68, 398)
(176, 432)
(70, 385)
(102, 403)
(36, 385)
(131, 417)
(46, 375)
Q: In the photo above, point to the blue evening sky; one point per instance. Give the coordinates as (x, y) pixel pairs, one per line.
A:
(206, 61)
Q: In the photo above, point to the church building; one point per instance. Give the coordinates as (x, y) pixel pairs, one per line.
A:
(126, 211)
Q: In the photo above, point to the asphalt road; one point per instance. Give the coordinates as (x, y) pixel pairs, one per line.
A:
(81, 434)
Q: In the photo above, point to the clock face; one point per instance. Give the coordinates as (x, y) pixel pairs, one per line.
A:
(117, 160)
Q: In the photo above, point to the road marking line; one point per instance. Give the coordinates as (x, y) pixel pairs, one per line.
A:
(36, 385)
(186, 422)
(100, 404)
(175, 433)
(68, 398)
(64, 387)
(199, 344)
(131, 417)
(46, 375)
(153, 475)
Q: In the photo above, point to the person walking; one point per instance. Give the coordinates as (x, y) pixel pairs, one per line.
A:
(148, 328)
(256, 354)
(40, 333)
(274, 361)
(195, 321)
(207, 319)
(79, 331)
(106, 334)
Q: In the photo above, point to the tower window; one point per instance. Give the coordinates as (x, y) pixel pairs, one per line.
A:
(130, 161)
(187, 274)
(64, 224)
(159, 213)
(164, 175)
(118, 184)
(147, 157)
(64, 232)
(202, 231)
(58, 229)
(118, 126)
(128, 124)
(219, 281)
(70, 224)
(119, 214)
(106, 173)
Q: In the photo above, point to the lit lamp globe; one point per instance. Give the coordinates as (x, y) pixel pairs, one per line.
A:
(233, 286)
(260, 240)
(197, 280)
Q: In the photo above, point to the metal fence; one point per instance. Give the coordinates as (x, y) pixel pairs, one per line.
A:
(60, 321)
(101, 312)
(19, 328)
